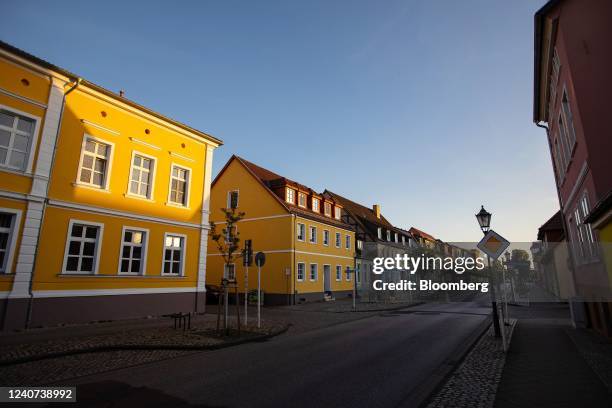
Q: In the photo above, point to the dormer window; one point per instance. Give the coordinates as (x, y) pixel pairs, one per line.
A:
(338, 213)
(388, 235)
(290, 195)
(379, 233)
(315, 204)
(396, 239)
(302, 200)
(403, 240)
(328, 209)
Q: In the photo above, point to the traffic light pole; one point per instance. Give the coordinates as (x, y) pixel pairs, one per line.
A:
(246, 295)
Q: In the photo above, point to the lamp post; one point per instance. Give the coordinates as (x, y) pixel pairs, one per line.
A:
(484, 220)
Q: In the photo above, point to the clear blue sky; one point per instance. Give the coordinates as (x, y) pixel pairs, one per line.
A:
(422, 106)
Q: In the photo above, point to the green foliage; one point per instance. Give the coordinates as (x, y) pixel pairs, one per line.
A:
(519, 255)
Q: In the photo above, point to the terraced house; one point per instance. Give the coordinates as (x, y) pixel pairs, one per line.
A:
(103, 202)
(307, 244)
(375, 237)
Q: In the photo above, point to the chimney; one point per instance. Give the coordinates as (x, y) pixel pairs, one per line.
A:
(376, 208)
(121, 93)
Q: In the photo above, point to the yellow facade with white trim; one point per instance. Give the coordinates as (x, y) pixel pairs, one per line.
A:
(273, 231)
(48, 194)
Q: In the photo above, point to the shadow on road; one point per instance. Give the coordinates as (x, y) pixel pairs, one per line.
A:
(119, 394)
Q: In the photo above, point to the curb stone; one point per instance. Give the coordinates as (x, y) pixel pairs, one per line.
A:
(429, 388)
(116, 347)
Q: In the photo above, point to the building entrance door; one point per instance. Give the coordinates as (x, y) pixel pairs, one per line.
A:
(327, 278)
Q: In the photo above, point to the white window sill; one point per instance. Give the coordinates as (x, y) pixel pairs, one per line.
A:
(137, 197)
(175, 205)
(90, 187)
(16, 171)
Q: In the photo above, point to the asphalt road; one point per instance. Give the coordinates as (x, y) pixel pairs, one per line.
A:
(390, 360)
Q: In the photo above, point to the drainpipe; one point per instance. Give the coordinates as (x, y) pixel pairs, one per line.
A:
(77, 82)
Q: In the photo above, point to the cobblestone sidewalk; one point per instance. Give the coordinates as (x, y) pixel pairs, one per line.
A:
(474, 383)
(202, 335)
(596, 350)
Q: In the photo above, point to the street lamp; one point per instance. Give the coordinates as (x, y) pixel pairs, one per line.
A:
(484, 220)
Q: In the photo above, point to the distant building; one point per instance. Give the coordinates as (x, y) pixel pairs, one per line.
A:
(375, 237)
(550, 257)
(572, 83)
(425, 239)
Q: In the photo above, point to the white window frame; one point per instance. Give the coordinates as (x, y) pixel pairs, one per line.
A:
(347, 242)
(396, 237)
(33, 143)
(109, 163)
(183, 257)
(300, 195)
(303, 231)
(188, 190)
(145, 246)
(326, 206)
(338, 240)
(316, 270)
(359, 244)
(11, 244)
(98, 249)
(338, 213)
(290, 193)
(312, 228)
(297, 271)
(318, 206)
(388, 236)
(229, 198)
(225, 270)
(326, 241)
(568, 121)
(585, 231)
(151, 176)
(379, 233)
(339, 276)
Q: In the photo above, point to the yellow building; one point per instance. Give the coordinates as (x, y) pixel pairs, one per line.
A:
(103, 203)
(307, 245)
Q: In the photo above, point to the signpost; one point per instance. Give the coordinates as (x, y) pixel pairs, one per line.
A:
(260, 260)
(247, 260)
(493, 245)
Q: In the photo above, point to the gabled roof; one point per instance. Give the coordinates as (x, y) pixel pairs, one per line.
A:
(362, 215)
(555, 223)
(360, 211)
(269, 180)
(65, 73)
(418, 233)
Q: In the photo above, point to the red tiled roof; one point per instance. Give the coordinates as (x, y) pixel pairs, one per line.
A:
(271, 180)
(419, 233)
(555, 223)
(358, 210)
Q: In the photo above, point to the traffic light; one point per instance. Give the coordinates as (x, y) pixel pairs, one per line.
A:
(247, 253)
